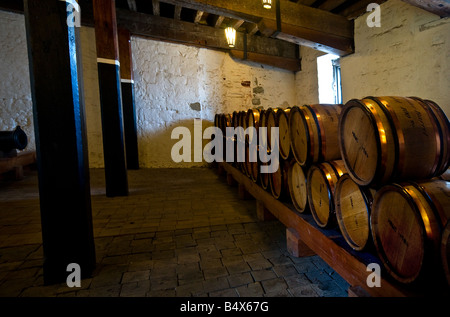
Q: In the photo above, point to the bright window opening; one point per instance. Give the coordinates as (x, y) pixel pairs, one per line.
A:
(329, 73)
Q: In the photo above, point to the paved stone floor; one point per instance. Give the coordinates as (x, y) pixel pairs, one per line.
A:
(180, 233)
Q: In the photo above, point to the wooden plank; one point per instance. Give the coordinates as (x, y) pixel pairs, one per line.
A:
(156, 9)
(132, 5)
(328, 244)
(358, 8)
(238, 24)
(331, 4)
(438, 7)
(177, 13)
(198, 17)
(292, 64)
(166, 29)
(307, 37)
(320, 26)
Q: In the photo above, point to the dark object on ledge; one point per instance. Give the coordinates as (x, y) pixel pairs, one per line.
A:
(10, 140)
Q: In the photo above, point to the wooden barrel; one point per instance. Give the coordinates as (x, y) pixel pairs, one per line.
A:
(253, 117)
(217, 120)
(314, 133)
(321, 184)
(271, 122)
(254, 167)
(407, 222)
(445, 251)
(392, 139)
(353, 204)
(284, 134)
(264, 178)
(279, 181)
(297, 187)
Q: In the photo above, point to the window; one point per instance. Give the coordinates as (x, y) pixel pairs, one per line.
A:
(329, 77)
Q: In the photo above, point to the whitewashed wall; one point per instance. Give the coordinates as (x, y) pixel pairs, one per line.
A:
(177, 83)
(409, 55)
(174, 85)
(15, 94)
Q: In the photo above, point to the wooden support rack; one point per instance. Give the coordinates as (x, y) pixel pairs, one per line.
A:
(328, 244)
(17, 163)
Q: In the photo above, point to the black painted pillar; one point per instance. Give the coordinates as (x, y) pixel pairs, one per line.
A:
(128, 103)
(59, 122)
(110, 97)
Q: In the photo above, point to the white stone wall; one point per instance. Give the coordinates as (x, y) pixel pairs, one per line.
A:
(15, 96)
(175, 84)
(172, 79)
(409, 55)
(306, 80)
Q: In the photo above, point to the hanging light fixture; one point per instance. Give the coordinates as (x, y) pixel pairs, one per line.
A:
(230, 34)
(267, 4)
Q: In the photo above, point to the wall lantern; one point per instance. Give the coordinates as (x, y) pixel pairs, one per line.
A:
(267, 4)
(230, 33)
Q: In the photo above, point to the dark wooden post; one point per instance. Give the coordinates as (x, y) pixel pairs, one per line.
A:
(110, 97)
(128, 104)
(59, 122)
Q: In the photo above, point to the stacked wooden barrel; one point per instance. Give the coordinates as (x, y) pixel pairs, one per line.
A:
(397, 147)
(376, 169)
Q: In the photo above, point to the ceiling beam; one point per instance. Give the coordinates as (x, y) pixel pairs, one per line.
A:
(218, 21)
(170, 30)
(132, 5)
(155, 5)
(198, 17)
(238, 24)
(299, 23)
(177, 13)
(439, 7)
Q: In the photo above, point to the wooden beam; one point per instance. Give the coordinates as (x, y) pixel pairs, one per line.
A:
(331, 4)
(132, 5)
(236, 25)
(253, 29)
(218, 21)
(54, 55)
(198, 17)
(438, 7)
(358, 8)
(311, 26)
(107, 44)
(166, 29)
(177, 13)
(128, 101)
(292, 64)
(155, 5)
(304, 37)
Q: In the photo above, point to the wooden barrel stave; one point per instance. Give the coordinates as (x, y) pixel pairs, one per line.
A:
(321, 183)
(407, 221)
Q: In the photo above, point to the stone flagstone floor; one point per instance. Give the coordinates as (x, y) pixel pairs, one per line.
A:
(180, 233)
